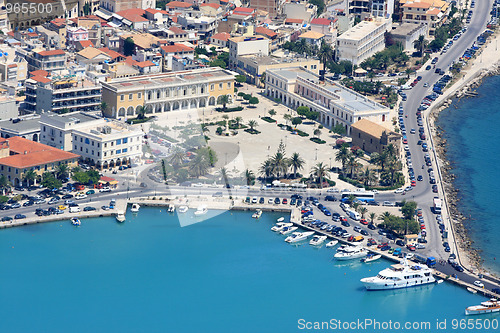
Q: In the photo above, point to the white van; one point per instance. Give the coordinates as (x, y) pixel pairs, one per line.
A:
(75, 209)
(354, 215)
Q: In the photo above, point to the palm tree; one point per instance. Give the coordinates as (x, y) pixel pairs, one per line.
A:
(317, 132)
(279, 163)
(363, 211)
(320, 171)
(325, 54)
(372, 217)
(343, 156)
(266, 169)
(141, 112)
(384, 216)
(29, 176)
(297, 163)
(420, 44)
(62, 172)
(238, 121)
(199, 166)
(249, 177)
(223, 176)
(4, 184)
(177, 157)
(224, 99)
(252, 124)
(271, 112)
(352, 163)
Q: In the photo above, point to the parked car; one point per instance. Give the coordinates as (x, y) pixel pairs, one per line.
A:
(89, 209)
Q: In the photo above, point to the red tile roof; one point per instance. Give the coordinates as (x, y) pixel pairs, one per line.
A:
(133, 15)
(291, 20)
(52, 52)
(30, 154)
(143, 64)
(213, 5)
(178, 4)
(321, 21)
(86, 43)
(176, 48)
(177, 30)
(40, 72)
(40, 79)
(221, 36)
(111, 53)
(243, 10)
(265, 31)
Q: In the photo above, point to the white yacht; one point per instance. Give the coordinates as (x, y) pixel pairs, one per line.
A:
(135, 208)
(280, 226)
(400, 276)
(171, 208)
(317, 240)
(332, 243)
(182, 209)
(288, 230)
(75, 221)
(486, 307)
(281, 219)
(299, 236)
(257, 214)
(120, 217)
(350, 252)
(201, 210)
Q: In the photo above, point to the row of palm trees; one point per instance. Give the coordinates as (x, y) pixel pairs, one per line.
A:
(30, 177)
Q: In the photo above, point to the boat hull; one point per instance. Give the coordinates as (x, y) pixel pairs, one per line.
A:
(478, 312)
(398, 285)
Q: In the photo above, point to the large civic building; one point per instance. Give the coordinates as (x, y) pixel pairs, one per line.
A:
(336, 104)
(100, 142)
(167, 92)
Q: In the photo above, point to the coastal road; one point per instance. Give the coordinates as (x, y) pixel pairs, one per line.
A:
(423, 191)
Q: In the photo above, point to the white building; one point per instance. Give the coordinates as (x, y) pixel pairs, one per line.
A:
(363, 40)
(100, 142)
(336, 104)
(239, 46)
(408, 33)
(205, 25)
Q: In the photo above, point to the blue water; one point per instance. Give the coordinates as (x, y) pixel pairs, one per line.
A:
(471, 128)
(226, 274)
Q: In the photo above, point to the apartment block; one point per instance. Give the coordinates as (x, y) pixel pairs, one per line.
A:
(53, 60)
(432, 13)
(167, 92)
(100, 142)
(240, 46)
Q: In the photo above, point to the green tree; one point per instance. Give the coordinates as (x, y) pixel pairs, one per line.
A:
(224, 176)
(372, 217)
(297, 163)
(199, 166)
(224, 99)
(94, 176)
(339, 129)
(29, 176)
(325, 54)
(104, 106)
(271, 112)
(319, 172)
(80, 177)
(252, 124)
(296, 121)
(62, 172)
(343, 156)
(238, 121)
(253, 100)
(164, 170)
(279, 163)
(266, 169)
(363, 211)
(241, 78)
(288, 118)
(302, 110)
(49, 181)
(317, 132)
(128, 47)
(408, 209)
(5, 185)
(141, 112)
(249, 177)
(177, 157)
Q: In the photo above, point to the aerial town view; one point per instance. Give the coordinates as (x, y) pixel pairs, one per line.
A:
(249, 166)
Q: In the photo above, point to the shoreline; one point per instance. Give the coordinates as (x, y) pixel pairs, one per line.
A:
(462, 88)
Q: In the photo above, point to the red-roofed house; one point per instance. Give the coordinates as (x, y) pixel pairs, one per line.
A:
(178, 7)
(266, 32)
(134, 18)
(83, 44)
(19, 155)
(212, 10)
(326, 27)
(170, 51)
(53, 60)
(294, 23)
(220, 39)
(156, 15)
(113, 54)
(75, 35)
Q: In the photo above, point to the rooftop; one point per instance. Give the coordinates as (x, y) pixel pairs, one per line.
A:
(312, 35)
(31, 154)
(404, 29)
(321, 21)
(371, 128)
(23, 126)
(362, 29)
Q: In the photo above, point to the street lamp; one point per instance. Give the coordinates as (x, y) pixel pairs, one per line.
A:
(316, 158)
(330, 163)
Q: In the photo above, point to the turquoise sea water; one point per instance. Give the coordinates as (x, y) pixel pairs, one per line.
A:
(226, 274)
(471, 129)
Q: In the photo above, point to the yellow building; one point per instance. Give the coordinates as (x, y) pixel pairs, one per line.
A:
(167, 92)
(432, 13)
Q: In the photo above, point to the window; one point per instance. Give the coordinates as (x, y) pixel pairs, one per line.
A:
(105, 145)
(86, 150)
(122, 97)
(125, 150)
(158, 94)
(119, 142)
(130, 97)
(44, 128)
(212, 87)
(92, 143)
(139, 95)
(92, 152)
(125, 140)
(87, 141)
(98, 154)
(193, 91)
(229, 85)
(118, 151)
(81, 148)
(98, 145)
(105, 154)
(75, 147)
(220, 86)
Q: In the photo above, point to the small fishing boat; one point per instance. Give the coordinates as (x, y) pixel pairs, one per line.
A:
(371, 257)
(485, 307)
(332, 243)
(257, 214)
(281, 219)
(182, 209)
(471, 290)
(75, 221)
(171, 208)
(135, 208)
(201, 210)
(120, 217)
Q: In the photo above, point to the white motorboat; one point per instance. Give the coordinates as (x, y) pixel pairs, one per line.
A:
(281, 219)
(171, 208)
(135, 208)
(288, 230)
(400, 276)
(299, 236)
(350, 252)
(332, 243)
(371, 257)
(257, 214)
(182, 209)
(201, 210)
(317, 240)
(280, 226)
(120, 217)
(489, 306)
(75, 221)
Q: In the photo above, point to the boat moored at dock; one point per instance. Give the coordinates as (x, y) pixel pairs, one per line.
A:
(350, 252)
(257, 214)
(201, 210)
(120, 216)
(135, 208)
(371, 257)
(280, 226)
(75, 221)
(171, 208)
(299, 236)
(490, 306)
(317, 240)
(288, 230)
(400, 276)
(182, 209)
(332, 243)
